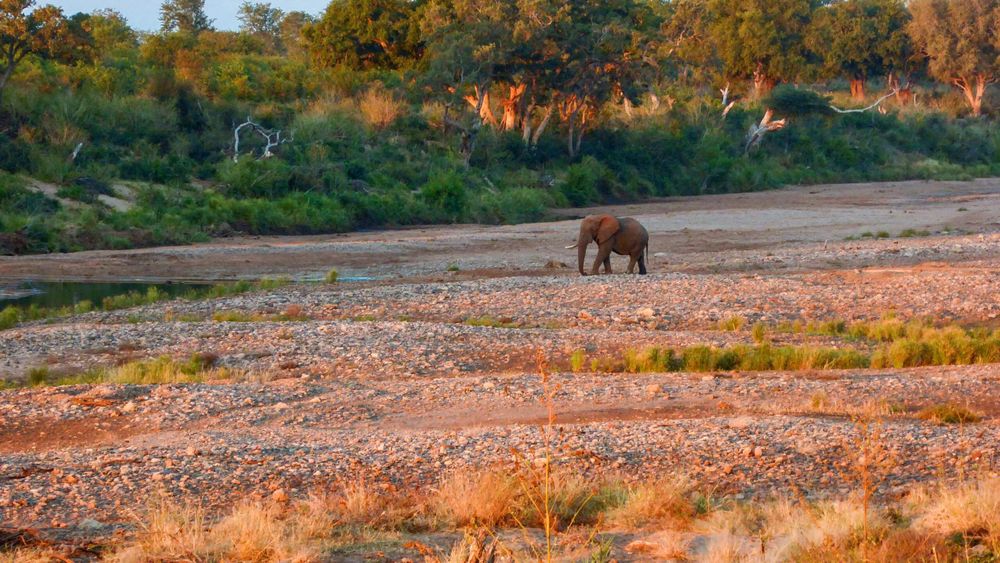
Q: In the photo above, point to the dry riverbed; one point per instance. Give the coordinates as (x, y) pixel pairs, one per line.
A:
(424, 372)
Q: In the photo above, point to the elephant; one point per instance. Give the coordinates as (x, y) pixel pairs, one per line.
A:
(622, 235)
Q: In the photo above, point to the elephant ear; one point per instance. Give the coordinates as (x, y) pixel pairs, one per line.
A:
(607, 228)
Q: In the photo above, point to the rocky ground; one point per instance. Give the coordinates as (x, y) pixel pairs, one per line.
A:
(393, 379)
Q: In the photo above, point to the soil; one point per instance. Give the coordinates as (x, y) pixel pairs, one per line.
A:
(422, 371)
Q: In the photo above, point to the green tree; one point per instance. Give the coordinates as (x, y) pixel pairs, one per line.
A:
(762, 39)
(111, 32)
(365, 34)
(606, 47)
(262, 20)
(22, 33)
(859, 39)
(960, 40)
(186, 16)
(291, 32)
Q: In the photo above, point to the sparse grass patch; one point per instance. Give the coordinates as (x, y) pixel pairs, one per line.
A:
(949, 413)
(453, 267)
(489, 321)
(759, 332)
(577, 360)
(236, 317)
(197, 368)
(908, 233)
(332, 276)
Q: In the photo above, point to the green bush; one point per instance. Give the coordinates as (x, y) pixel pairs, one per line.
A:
(446, 194)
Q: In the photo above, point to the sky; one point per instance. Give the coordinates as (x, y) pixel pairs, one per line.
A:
(144, 15)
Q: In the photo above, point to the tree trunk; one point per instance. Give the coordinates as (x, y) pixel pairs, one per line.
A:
(858, 87)
(541, 126)
(511, 107)
(481, 101)
(973, 92)
(569, 139)
(762, 84)
(5, 77)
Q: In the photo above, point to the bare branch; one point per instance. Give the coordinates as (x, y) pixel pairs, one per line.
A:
(862, 110)
(272, 138)
(757, 131)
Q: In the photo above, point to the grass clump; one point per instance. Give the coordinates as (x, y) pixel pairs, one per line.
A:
(949, 414)
(332, 276)
(664, 502)
(577, 360)
(482, 498)
(732, 324)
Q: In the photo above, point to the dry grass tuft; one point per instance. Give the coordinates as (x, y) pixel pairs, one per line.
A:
(482, 498)
(971, 510)
(664, 502)
(379, 107)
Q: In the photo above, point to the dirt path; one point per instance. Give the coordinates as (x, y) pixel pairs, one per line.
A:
(705, 233)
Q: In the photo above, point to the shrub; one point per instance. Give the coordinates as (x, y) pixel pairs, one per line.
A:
(379, 107)
(446, 195)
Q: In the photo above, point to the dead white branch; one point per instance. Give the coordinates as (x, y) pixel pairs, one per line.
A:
(272, 138)
(76, 152)
(758, 130)
(864, 109)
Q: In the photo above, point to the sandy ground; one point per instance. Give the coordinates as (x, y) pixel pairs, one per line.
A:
(391, 378)
(687, 234)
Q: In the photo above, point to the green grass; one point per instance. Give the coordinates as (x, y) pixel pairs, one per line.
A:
(195, 369)
(236, 317)
(764, 357)
(577, 360)
(332, 276)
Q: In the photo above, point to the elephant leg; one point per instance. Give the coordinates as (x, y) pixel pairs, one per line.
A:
(607, 265)
(631, 264)
(603, 255)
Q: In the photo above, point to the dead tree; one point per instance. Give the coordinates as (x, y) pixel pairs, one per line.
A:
(272, 138)
(757, 130)
(767, 124)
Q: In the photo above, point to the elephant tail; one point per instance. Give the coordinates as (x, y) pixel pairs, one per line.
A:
(572, 246)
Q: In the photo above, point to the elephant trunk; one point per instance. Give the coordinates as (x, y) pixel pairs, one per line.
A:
(581, 252)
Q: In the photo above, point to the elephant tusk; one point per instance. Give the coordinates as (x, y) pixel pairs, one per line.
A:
(572, 246)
